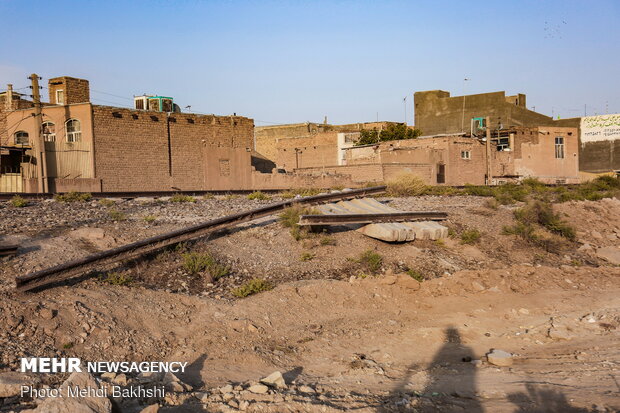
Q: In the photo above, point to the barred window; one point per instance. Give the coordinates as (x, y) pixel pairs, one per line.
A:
(48, 130)
(465, 155)
(559, 147)
(73, 128)
(21, 138)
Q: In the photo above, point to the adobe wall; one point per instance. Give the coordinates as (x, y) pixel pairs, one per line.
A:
(373, 173)
(317, 150)
(151, 151)
(438, 113)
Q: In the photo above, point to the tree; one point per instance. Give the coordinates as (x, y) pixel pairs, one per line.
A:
(393, 132)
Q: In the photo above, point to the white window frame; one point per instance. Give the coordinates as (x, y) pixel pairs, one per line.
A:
(62, 93)
(21, 132)
(466, 155)
(48, 137)
(74, 135)
(559, 147)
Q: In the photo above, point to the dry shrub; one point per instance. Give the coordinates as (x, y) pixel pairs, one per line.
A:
(406, 184)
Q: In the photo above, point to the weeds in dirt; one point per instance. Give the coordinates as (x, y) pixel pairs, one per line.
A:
(182, 198)
(149, 219)
(18, 202)
(196, 262)
(208, 196)
(362, 275)
(289, 218)
(307, 256)
(253, 286)
(440, 243)
(470, 236)
(292, 193)
(116, 278)
(328, 241)
(105, 202)
(416, 275)
(406, 184)
(532, 188)
(117, 215)
(539, 225)
(73, 197)
(371, 260)
(258, 196)
(67, 346)
(492, 203)
(230, 197)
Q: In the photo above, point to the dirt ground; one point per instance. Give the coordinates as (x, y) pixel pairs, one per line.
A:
(361, 341)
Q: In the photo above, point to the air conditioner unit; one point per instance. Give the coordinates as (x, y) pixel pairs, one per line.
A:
(140, 102)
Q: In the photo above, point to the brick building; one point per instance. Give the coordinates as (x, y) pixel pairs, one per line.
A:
(436, 112)
(101, 148)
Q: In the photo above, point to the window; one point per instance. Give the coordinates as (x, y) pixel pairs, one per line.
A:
(48, 130)
(74, 130)
(60, 97)
(559, 147)
(465, 155)
(21, 138)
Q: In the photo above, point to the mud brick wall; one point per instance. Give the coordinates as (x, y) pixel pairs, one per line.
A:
(153, 151)
(75, 90)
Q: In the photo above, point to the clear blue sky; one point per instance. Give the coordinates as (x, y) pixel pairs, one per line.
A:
(296, 61)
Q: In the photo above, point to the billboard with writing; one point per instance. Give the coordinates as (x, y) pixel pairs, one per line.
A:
(600, 128)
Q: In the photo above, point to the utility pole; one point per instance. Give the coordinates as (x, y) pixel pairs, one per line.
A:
(488, 150)
(9, 97)
(405, 101)
(39, 144)
(463, 119)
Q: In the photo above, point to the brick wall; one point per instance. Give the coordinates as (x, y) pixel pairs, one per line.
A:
(75, 90)
(133, 151)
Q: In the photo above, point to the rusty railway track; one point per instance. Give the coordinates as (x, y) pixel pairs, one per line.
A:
(102, 260)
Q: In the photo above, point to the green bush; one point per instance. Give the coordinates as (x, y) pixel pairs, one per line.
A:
(416, 275)
(541, 213)
(73, 197)
(149, 218)
(182, 198)
(290, 219)
(18, 202)
(253, 286)
(470, 236)
(371, 260)
(117, 278)
(259, 196)
(195, 262)
(105, 202)
(393, 131)
(406, 184)
(117, 215)
(306, 256)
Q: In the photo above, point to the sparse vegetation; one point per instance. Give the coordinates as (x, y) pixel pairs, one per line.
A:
(117, 278)
(253, 286)
(371, 261)
(105, 202)
(230, 197)
(416, 275)
(491, 203)
(196, 262)
(328, 241)
(258, 196)
(406, 184)
(290, 219)
(307, 256)
(73, 197)
(532, 188)
(149, 219)
(292, 193)
(117, 215)
(67, 346)
(18, 202)
(208, 196)
(182, 198)
(470, 236)
(538, 224)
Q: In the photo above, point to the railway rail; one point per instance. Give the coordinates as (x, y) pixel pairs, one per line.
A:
(102, 260)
